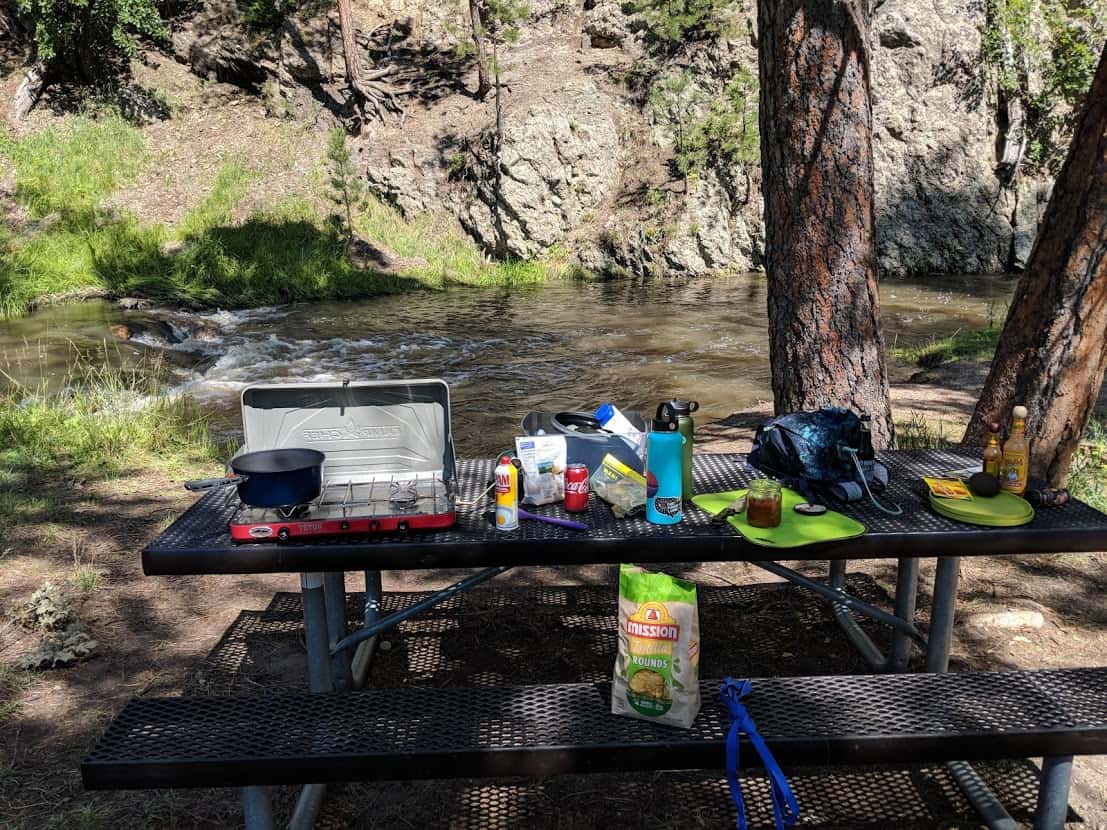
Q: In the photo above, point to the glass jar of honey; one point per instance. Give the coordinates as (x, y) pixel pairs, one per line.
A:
(763, 503)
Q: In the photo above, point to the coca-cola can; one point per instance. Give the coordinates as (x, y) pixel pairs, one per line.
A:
(576, 488)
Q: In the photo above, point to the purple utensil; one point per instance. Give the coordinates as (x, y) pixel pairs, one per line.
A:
(553, 520)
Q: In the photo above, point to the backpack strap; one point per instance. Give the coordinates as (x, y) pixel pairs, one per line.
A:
(785, 808)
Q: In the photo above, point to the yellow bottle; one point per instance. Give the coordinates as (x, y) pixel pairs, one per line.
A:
(993, 455)
(1016, 455)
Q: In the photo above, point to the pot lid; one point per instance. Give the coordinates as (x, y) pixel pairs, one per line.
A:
(369, 430)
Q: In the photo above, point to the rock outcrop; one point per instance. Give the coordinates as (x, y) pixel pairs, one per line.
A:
(556, 164)
(584, 162)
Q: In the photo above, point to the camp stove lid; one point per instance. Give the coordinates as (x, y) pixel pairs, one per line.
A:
(369, 430)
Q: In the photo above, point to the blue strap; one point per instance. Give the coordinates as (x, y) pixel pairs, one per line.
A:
(785, 808)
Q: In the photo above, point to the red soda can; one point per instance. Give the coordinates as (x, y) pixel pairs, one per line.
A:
(576, 488)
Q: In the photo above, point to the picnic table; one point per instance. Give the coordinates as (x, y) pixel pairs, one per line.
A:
(199, 543)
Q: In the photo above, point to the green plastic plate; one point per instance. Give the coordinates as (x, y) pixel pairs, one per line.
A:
(1001, 510)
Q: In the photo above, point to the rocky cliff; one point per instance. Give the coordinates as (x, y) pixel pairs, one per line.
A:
(584, 163)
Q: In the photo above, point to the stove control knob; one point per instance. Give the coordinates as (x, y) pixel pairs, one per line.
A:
(344, 526)
(402, 527)
(283, 533)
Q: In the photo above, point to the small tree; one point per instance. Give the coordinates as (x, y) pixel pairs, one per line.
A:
(675, 102)
(1042, 55)
(673, 23)
(496, 23)
(727, 138)
(346, 190)
(90, 41)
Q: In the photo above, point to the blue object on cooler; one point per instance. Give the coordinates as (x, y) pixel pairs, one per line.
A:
(664, 455)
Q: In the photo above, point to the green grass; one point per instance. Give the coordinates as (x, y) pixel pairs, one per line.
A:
(287, 252)
(12, 683)
(70, 169)
(1088, 474)
(116, 422)
(230, 187)
(975, 344)
(441, 254)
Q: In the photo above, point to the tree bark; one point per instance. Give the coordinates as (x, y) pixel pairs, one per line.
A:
(373, 98)
(1053, 350)
(484, 85)
(29, 91)
(825, 343)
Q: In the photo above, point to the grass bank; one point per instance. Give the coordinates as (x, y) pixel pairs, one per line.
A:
(976, 344)
(113, 423)
(66, 240)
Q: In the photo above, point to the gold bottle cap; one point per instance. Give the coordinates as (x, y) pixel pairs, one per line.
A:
(1019, 411)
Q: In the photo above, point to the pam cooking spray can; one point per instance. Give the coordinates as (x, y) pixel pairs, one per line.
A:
(507, 495)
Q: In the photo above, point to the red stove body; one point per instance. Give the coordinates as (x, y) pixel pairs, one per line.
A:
(389, 465)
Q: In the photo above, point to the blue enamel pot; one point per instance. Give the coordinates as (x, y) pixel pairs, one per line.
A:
(272, 478)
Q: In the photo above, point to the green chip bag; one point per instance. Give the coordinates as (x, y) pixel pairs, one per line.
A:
(657, 667)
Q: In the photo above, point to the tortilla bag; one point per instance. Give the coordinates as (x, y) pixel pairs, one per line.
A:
(657, 666)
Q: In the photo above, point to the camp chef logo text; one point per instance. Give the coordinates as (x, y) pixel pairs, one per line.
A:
(353, 432)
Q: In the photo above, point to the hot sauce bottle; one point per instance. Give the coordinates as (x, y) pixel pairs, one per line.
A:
(1016, 455)
(993, 455)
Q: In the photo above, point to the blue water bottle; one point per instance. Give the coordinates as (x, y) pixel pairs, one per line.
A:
(664, 454)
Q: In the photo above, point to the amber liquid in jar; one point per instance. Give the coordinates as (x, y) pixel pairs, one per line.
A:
(763, 503)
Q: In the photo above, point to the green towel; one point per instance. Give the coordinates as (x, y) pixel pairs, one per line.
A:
(795, 530)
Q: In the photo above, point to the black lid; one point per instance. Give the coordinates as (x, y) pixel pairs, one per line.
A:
(683, 407)
(666, 420)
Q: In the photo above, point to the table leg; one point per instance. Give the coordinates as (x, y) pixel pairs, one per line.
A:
(334, 590)
(907, 589)
(316, 638)
(257, 810)
(315, 632)
(1053, 793)
(946, 578)
(941, 613)
(364, 653)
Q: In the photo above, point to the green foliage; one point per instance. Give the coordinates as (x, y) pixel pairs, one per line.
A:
(266, 15)
(230, 187)
(501, 19)
(675, 101)
(974, 344)
(285, 253)
(346, 191)
(1088, 474)
(727, 138)
(675, 22)
(68, 170)
(442, 255)
(1056, 41)
(91, 40)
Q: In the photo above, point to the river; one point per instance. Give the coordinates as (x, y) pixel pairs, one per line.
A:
(565, 345)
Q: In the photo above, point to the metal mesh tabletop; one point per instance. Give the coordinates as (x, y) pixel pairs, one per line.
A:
(199, 541)
(546, 730)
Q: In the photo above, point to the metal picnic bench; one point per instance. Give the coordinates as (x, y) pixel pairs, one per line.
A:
(407, 733)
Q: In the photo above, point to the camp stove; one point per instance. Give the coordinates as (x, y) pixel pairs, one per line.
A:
(389, 464)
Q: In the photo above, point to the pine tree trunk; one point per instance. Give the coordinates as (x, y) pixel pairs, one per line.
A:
(349, 43)
(483, 84)
(816, 153)
(1053, 350)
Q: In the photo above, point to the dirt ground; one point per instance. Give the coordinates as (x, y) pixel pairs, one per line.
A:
(211, 635)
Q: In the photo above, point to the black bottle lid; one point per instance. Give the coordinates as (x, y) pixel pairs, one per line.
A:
(666, 420)
(683, 407)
